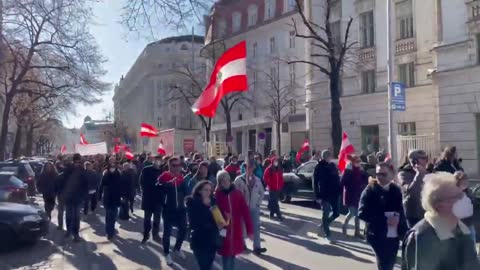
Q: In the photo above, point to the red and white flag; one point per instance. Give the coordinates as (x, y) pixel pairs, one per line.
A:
(305, 148)
(82, 140)
(345, 150)
(147, 130)
(63, 149)
(161, 149)
(129, 155)
(229, 75)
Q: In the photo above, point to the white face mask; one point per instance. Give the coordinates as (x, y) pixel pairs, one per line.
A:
(275, 164)
(463, 208)
(112, 170)
(158, 163)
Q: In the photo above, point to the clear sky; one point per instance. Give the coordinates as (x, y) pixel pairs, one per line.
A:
(119, 47)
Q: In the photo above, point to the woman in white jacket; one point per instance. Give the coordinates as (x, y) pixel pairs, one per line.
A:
(253, 190)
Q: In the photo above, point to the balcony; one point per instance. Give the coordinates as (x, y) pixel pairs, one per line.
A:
(404, 46)
(367, 54)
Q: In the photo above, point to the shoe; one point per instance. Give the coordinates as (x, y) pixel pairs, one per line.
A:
(180, 254)
(259, 251)
(280, 218)
(76, 239)
(60, 228)
(271, 216)
(359, 235)
(156, 238)
(169, 259)
(329, 240)
(110, 237)
(145, 239)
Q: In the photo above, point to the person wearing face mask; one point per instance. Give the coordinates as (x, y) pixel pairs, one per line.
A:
(152, 198)
(233, 168)
(382, 210)
(463, 209)
(274, 181)
(111, 192)
(174, 212)
(202, 174)
(253, 191)
(412, 184)
(440, 241)
(353, 182)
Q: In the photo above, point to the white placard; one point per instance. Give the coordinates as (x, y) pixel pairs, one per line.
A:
(91, 149)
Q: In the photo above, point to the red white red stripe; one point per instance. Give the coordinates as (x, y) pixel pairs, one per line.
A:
(161, 149)
(83, 141)
(228, 75)
(346, 149)
(63, 149)
(305, 147)
(147, 130)
(129, 155)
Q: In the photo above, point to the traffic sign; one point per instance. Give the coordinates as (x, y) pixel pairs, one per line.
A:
(398, 102)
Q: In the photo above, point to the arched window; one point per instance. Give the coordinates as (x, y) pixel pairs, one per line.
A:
(269, 9)
(236, 21)
(252, 15)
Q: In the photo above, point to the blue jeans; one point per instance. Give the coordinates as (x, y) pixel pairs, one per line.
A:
(255, 214)
(72, 217)
(473, 233)
(228, 262)
(111, 214)
(352, 213)
(273, 205)
(327, 219)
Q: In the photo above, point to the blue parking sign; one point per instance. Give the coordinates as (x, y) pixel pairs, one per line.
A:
(398, 97)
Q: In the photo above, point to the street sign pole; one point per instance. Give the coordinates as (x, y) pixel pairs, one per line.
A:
(390, 59)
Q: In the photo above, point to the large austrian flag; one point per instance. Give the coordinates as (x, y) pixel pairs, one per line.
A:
(229, 75)
(147, 130)
(346, 149)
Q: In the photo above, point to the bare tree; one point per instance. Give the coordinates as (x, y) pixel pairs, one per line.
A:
(148, 15)
(328, 55)
(48, 46)
(280, 97)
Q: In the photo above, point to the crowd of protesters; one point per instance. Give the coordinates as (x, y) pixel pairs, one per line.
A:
(425, 205)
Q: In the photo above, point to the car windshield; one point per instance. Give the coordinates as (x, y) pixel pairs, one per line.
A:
(9, 180)
(308, 167)
(29, 169)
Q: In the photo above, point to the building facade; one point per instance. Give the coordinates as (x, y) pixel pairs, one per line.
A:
(265, 25)
(150, 91)
(97, 131)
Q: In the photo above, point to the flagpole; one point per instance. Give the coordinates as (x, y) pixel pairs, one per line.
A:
(390, 59)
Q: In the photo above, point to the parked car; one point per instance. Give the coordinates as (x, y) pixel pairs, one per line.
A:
(476, 204)
(12, 189)
(23, 171)
(300, 179)
(21, 223)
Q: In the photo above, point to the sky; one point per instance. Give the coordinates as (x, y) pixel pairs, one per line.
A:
(119, 48)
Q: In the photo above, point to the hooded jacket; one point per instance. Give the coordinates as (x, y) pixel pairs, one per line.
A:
(252, 190)
(353, 183)
(175, 190)
(274, 177)
(152, 195)
(326, 182)
(111, 188)
(203, 226)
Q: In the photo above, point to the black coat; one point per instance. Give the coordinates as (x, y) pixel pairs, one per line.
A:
(446, 166)
(326, 182)
(374, 202)
(93, 179)
(46, 184)
(202, 224)
(73, 185)
(129, 183)
(111, 189)
(152, 195)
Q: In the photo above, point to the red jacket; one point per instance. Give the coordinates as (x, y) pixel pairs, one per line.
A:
(274, 178)
(232, 203)
(233, 169)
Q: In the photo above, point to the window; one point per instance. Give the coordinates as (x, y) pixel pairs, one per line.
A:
(336, 33)
(254, 49)
(478, 48)
(407, 129)
(308, 167)
(236, 21)
(293, 106)
(269, 9)
(367, 30)
(292, 75)
(272, 45)
(273, 77)
(252, 15)
(368, 81)
(240, 117)
(289, 5)
(407, 74)
(221, 28)
(370, 138)
(291, 39)
(404, 17)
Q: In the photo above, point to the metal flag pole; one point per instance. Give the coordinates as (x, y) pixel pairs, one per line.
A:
(390, 59)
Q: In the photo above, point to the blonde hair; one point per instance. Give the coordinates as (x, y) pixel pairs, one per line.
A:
(222, 175)
(435, 186)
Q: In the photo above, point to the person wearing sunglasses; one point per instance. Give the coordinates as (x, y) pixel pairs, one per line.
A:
(174, 211)
(440, 240)
(382, 210)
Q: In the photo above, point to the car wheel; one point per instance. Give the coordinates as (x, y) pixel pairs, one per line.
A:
(8, 237)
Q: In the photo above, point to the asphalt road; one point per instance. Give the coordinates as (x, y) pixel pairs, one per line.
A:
(292, 245)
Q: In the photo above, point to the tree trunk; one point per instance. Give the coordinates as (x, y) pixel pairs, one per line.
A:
(228, 119)
(336, 109)
(18, 142)
(4, 130)
(279, 141)
(29, 146)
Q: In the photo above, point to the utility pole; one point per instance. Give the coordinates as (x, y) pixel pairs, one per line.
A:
(390, 60)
